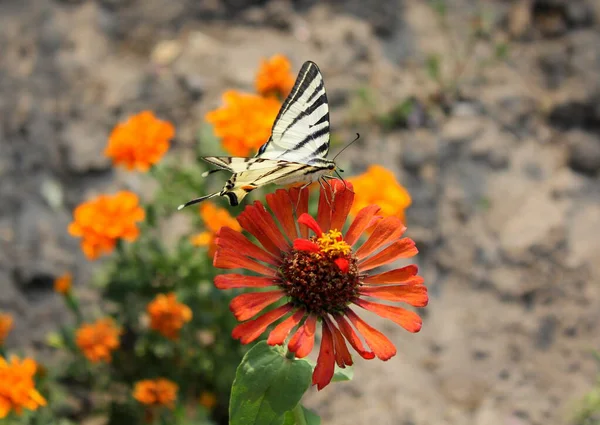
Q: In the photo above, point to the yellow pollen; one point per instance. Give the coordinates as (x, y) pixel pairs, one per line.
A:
(333, 243)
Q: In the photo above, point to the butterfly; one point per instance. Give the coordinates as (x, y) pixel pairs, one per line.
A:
(296, 150)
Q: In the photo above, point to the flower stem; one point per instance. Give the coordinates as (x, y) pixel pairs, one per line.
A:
(290, 356)
(73, 305)
(299, 418)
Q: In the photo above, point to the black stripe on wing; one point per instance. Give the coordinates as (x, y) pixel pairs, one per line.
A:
(307, 74)
(307, 95)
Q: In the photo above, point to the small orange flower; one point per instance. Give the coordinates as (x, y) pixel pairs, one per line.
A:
(207, 400)
(324, 278)
(98, 340)
(139, 142)
(214, 218)
(103, 220)
(274, 77)
(167, 316)
(156, 392)
(244, 121)
(379, 186)
(17, 386)
(6, 325)
(63, 283)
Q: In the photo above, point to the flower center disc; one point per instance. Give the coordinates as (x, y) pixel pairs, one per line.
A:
(314, 281)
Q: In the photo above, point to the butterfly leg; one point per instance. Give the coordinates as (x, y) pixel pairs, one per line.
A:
(321, 180)
(304, 186)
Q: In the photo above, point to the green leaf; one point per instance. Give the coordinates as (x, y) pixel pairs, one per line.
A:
(266, 386)
(310, 417)
(341, 375)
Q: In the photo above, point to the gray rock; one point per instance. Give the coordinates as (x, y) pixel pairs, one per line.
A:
(584, 152)
(556, 67)
(492, 146)
(85, 143)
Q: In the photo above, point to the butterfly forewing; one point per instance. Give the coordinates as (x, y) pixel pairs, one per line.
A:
(301, 130)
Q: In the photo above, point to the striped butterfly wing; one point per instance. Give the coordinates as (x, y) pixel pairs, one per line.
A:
(301, 130)
(296, 150)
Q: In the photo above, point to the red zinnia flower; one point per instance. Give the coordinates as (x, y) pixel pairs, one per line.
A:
(320, 276)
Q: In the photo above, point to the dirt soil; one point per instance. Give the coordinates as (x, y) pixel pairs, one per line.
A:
(504, 172)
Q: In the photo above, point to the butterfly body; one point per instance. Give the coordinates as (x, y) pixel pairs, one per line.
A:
(296, 151)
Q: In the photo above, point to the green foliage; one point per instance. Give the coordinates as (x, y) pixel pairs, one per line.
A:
(588, 411)
(433, 66)
(399, 115)
(267, 385)
(204, 357)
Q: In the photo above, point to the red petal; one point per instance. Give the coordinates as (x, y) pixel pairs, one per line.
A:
(258, 222)
(409, 320)
(344, 198)
(379, 343)
(386, 231)
(325, 368)
(325, 205)
(282, 330)
(360, 223)
(343, 264)
(234, 280)
(307, 220)
(229, 259)
(343, 357)
(353, 338)
(404, 248)
(281, 205)
(246, 306)
(252, 329)
(230, 239)
(415, 295)
(303, 340)
(306, 245)
(300, 200)
(401, 275)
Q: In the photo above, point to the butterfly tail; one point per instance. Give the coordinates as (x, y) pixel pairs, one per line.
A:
(197, 200)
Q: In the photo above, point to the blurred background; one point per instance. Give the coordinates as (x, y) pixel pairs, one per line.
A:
(488, 112)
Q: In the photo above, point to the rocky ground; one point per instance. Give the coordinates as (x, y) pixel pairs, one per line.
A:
(500, 151)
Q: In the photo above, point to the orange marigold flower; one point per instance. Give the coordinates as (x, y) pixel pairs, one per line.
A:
(17, 386)
(156, 392)
(378, 185)
(63, 283)
(322, 277)
(214, 218)
(167, 315)
(6, 325)
(244, 121)
(103, 220)
(98, 340)
(275, 77)
(139, 142)
(208, 400)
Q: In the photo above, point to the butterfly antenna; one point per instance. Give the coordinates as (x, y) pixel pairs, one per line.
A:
(346, 147)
